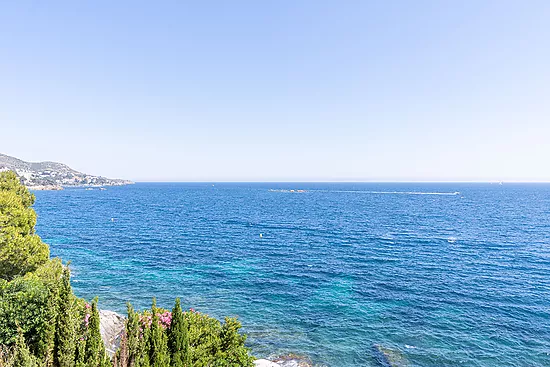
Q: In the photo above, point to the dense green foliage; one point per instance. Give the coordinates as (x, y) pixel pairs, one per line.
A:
(158, 337)
(21, 250)
(42, 322)
(31, 302)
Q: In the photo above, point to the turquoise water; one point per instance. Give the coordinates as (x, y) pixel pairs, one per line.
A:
(445, 279)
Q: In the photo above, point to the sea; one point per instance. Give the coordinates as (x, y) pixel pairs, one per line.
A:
(435, 274)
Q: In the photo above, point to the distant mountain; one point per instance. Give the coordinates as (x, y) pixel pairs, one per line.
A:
(53, 175)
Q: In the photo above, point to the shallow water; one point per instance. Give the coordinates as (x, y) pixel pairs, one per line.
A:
(444, 274)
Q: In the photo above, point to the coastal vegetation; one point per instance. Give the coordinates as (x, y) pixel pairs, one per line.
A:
(43, 323)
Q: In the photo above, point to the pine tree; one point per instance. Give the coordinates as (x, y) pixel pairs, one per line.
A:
(178, 339)
(95, 350)
(22, 356)
(159, 356)
(21, 250)
(64, 344)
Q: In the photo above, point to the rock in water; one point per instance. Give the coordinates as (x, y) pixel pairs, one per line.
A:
(389, 357)
(265, 363)
(293, 360)
(289, 360)
(111, 326)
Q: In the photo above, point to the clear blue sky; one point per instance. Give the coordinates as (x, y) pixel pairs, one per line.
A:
(279, 90)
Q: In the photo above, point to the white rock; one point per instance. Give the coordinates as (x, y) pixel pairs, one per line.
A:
(265, 363)
(111, 326)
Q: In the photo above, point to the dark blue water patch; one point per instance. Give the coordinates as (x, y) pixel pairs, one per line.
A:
(445, 274)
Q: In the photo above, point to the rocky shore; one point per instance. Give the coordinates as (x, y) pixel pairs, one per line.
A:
(111, 326)
(289, 360)
(45, 187)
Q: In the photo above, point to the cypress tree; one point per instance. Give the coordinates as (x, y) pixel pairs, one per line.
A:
(132, 336)
(159, 356)
(178, 338)
(105, 361)
(142, 358)
(80, 351)
(22, 356)
(64, 342)
(95, 350)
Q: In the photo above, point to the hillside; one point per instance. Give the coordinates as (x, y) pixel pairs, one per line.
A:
(53, 175)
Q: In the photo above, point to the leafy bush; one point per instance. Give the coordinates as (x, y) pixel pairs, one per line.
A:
(30, 302)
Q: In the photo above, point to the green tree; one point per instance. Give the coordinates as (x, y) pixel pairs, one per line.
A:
(159, 355)
(95, 350)
(21, 250)
(142, 359)
(232, 351)
(178, 339)
(105, 361)
(22, 355)
(10, 182)
(64, 352)
(80, 352)
(132, 336)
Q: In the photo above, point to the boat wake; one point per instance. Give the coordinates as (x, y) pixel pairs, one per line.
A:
(394, 192)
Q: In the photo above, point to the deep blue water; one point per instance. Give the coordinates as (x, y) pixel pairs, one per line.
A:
(447, 280)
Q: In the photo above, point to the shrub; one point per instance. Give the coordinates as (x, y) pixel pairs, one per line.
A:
(31, 303)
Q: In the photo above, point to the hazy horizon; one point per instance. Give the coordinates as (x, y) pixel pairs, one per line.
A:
(292, 91)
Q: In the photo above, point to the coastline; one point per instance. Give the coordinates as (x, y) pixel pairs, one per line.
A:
(45, 188)
(62, 187)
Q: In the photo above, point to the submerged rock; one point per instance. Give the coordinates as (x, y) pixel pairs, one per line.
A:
(388, 357)
(111, 326)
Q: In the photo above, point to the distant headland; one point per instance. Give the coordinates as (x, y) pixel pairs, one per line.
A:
(53, 175)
